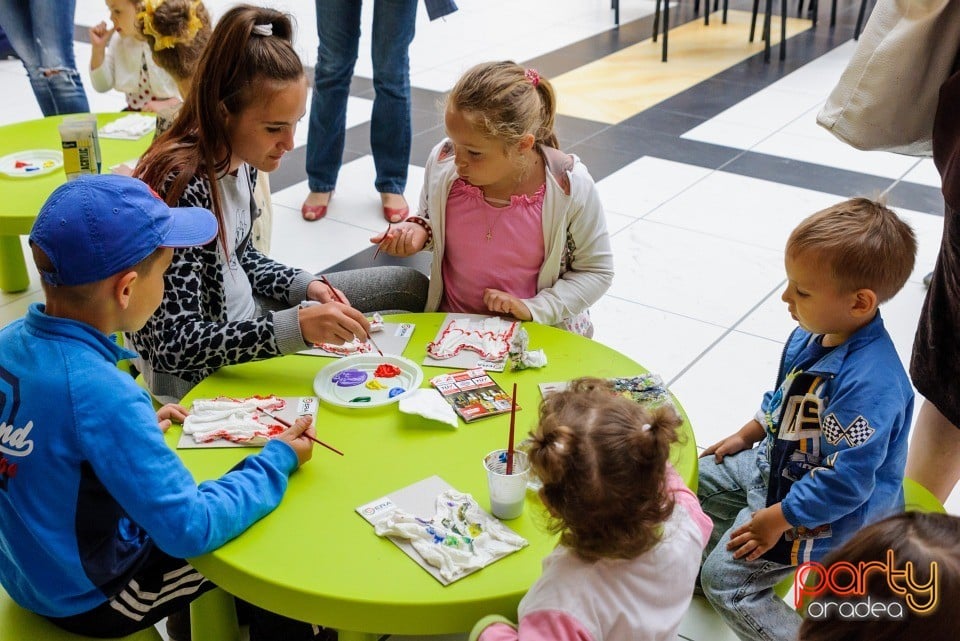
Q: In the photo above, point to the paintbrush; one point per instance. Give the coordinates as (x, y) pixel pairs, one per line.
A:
(389, 227)
(513, 417)
(288, 424)
(340, 300)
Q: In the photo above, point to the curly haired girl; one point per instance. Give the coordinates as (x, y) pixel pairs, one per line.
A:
(631, 533)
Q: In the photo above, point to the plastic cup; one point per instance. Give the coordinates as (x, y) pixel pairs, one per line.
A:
(507, 492)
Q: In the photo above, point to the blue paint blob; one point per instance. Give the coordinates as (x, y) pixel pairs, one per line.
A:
(395, 391)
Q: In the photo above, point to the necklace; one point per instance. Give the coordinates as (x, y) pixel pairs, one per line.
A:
(489, 235)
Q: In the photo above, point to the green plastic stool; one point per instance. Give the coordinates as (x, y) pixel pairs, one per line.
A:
(916, 498)
(17, 624)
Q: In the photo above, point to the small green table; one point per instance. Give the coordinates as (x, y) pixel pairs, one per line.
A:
(22, 198)
(315, 559)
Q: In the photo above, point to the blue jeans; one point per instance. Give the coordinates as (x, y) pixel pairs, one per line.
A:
(338, 26)
(41, 32)
(741, 591)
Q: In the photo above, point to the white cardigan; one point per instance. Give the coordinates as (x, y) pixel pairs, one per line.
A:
(121, 69)
(574, 228)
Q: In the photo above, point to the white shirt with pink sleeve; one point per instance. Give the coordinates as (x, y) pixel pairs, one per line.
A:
(616, 599)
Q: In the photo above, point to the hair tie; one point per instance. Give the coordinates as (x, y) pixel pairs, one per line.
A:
(532, 76)
(559, 446)
(263, 29)
(646, 427)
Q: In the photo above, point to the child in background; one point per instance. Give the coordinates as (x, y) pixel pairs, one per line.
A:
(515, 225)
(631, 533)
(833, 432)
(176, 32)
(97, 513)
(919, 539)
(128, 65)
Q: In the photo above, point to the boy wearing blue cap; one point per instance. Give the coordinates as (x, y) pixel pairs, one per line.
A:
(96, 512)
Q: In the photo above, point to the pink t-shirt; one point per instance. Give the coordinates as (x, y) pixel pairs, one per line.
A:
(489, 246)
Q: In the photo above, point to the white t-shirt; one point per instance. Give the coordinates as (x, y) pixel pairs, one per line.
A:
(236, 194)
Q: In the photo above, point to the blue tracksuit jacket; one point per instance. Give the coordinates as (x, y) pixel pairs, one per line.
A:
(836, 440)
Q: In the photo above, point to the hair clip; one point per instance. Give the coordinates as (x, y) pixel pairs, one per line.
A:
(533, 76)
(559, 446)
(646, 427)
(263, 29)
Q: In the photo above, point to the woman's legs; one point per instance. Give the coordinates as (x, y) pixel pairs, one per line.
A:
(933, 459)
(394, 24)
(338, 27)
(41, 32)
(383, 289)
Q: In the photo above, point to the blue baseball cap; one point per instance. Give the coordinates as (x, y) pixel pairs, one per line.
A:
(93, 227)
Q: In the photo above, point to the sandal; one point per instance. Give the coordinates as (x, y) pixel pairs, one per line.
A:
(311, 213)
(395, 214)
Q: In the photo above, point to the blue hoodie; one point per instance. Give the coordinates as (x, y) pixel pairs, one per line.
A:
(87, 483)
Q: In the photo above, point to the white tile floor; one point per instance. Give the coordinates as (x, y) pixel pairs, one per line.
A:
(698, 252)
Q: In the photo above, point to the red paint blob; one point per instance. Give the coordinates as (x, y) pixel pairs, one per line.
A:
(386, 370)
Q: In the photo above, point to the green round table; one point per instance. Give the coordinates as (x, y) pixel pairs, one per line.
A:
(315, 559)
(22, 198)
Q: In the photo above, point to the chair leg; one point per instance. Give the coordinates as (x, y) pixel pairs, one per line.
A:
(833, 13)
(696, 6)
(726, 3)
(753, 21)
(666, 29)
(814, 10)
(783, 30)
(766, 31)
(616, 12)
(800, 9)
(656, 20)
(706, 12)
(860, 16)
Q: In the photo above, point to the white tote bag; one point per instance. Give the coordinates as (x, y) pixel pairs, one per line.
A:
(887, 96)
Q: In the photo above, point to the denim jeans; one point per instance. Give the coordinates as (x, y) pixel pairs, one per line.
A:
(741, 591)
(41, 32)
(338, 26)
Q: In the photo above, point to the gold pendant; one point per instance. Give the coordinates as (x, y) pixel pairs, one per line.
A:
(489, 234)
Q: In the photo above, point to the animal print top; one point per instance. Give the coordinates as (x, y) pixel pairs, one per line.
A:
(189, 336)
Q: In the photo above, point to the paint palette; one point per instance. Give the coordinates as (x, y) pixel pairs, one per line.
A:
(367, 380)
(32, 162)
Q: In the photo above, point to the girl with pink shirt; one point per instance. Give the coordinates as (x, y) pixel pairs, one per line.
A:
(631, 533)
(515, 225)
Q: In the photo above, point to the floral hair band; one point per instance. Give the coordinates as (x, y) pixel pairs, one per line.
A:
(160, 41)
(533, 76)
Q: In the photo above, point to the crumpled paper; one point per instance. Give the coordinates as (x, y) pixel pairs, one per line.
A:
(429, 403)
(522, 358)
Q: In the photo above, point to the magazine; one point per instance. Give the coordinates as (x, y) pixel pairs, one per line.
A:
(473, 394)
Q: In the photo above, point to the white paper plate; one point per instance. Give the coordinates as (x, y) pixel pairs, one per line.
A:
(37, 162)
(363, 366)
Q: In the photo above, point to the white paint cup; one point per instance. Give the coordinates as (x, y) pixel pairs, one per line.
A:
(507, 492)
